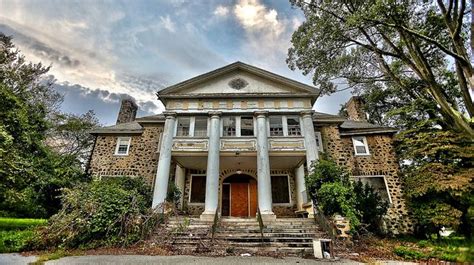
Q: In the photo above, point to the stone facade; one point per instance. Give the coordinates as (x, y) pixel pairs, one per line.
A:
(142, 158)
(381, 161)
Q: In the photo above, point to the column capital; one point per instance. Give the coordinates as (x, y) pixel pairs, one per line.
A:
(169, 114)
(260, 113)
(215, 114)
(305, 113)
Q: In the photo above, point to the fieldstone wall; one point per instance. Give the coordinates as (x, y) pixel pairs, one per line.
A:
(381, 161)
(128, 111)
(141, 160)
(196, 209)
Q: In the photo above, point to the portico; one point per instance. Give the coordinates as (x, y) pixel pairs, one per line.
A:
(239, 120)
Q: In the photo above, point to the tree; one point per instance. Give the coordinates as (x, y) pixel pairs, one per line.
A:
(409, 63)
(410, 44)
(31, 172)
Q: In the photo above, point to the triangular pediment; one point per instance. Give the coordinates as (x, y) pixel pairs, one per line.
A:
(238, 78)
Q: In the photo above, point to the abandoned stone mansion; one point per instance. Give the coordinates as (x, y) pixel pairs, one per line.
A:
(240, 138)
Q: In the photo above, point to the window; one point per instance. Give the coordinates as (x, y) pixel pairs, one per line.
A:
(198, 189)
(378, 183)
(183, 126)
(280, 189)
(276, 126)
(200, 127)
(246, 126)
(293, 126)
(229, 126)
(360, 145)
(123, 146)
(319, 142)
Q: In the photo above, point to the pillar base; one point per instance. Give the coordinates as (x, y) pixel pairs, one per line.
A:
(266, 217)
(207, 216)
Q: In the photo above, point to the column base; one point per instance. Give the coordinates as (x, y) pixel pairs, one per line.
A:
(266, 217)
(207, 216)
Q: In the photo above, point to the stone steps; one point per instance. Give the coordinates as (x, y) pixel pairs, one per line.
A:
(284, 235)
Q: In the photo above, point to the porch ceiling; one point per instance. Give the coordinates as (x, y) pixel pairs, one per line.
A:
(239, 162)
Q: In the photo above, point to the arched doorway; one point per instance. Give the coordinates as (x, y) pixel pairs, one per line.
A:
(239, 196)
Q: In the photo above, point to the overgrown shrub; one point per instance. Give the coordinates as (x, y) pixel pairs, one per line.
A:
(174, 193)
(330, 188)
(370, 206)
(336, 198)
(110, 212)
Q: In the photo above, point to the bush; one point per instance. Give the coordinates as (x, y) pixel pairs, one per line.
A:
(369, 205)
(14, 241)
(330, 187)
(111, 212)
(335, 198)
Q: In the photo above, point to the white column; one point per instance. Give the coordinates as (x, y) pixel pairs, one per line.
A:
(263, 168)
(164, 161)
(212, 173)
(309, 138)
(179, 178)
(300, 186)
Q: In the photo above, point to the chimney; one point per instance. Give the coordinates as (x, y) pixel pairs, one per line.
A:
(355, 109)
(128, 111)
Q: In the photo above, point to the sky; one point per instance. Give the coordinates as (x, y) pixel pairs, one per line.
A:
(103, 51)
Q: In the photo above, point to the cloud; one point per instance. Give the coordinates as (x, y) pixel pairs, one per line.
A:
(168, 24)
(221, 11)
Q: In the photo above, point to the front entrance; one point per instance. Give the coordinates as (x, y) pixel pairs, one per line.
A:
(239, 196)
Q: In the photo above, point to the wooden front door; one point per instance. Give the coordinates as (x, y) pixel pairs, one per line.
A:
(239, 202)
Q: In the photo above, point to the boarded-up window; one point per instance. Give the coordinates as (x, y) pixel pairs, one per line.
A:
(198, 189)
(280, 189)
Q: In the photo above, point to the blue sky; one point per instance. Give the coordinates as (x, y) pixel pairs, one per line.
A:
(101, 51)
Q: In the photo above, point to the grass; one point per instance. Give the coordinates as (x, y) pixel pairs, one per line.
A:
(15, 233)
(456, 249)
(20, 223)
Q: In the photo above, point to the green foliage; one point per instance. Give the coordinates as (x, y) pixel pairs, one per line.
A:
(325, 170)
(20, 223)
(408, 253)
(331, 189)
(110, 212)
(14, 240)
(33, 172)
(369, 205)
(174, 194)
(335, 198)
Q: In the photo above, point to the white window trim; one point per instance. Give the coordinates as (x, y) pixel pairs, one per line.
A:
(191, 188)
(118, 144)
(320, 145)
(283, 120)
(238, 126)
(364, 139)
(384, 181)
(290, 203)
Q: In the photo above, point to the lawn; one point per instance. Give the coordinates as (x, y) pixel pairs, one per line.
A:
(15, 232)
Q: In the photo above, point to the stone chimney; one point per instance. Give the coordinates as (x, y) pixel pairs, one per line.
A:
(355, 109)
(128, 111)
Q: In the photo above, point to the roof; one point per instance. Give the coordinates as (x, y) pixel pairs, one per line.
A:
(151, 118)
(128, 128)
(350, 127)
(168, 92)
